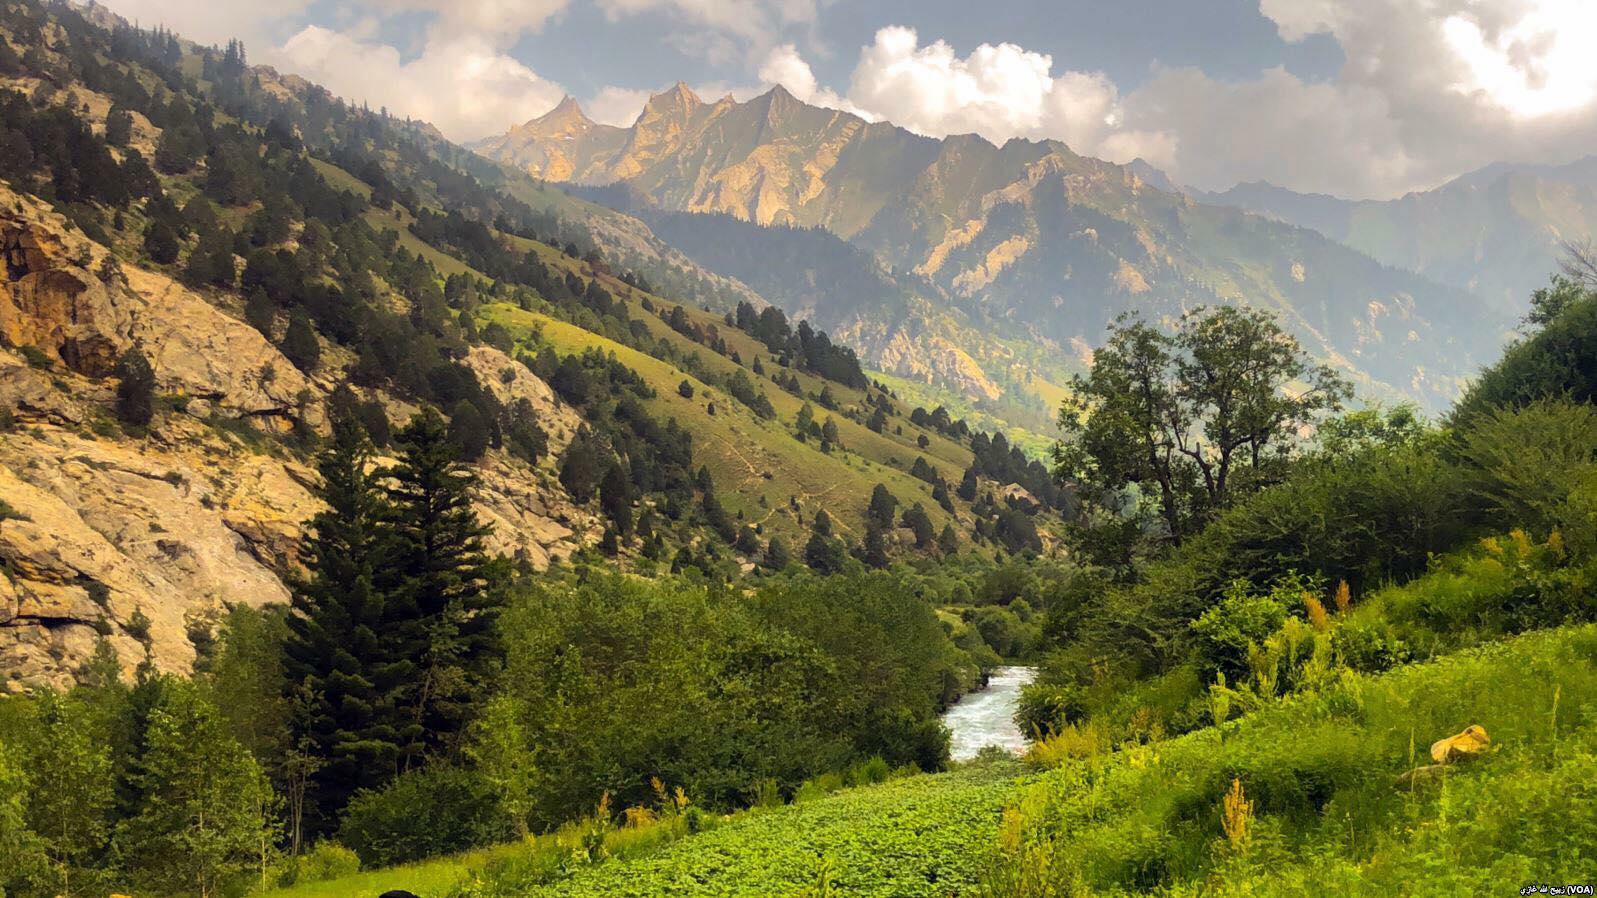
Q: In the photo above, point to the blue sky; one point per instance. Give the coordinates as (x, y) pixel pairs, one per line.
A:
(1359, 98)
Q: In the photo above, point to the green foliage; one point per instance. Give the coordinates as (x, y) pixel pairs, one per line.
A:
(1242, 620)
(205, 804)
(325, 861)
(1557, 361)
(300, 344)
(1527, 461)
(426, 812)
(1192, 418)
(135, 389)
(1320, 775)
(801, 677)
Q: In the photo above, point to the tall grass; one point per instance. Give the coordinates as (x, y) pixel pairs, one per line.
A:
(1315, 777)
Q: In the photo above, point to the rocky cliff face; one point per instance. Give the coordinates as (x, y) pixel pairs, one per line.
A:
(142, 539)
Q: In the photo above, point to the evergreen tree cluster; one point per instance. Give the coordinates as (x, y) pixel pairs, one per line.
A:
(391, 637)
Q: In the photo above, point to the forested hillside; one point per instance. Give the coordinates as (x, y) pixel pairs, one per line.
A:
(373, 516)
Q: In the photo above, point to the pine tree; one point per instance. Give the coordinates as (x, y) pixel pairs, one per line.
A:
(118, 126)
(777, 555)
(874, 551)
(259, 310)
(336, 664)
(916, 519)
(948, 540)
(135, 389)
(823, 553)
(615, 498)
(968, 485)
(579, 467)
(439, 601)
(160, 243)
(300, 344)
(883, 506)
(468, 431)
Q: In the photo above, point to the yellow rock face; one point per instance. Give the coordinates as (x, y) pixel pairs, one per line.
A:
(1468, 744)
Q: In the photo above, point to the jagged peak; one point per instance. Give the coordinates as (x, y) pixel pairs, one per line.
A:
(569, 106)
(678, 96)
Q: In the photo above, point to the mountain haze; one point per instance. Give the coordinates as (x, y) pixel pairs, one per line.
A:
(1496, 232)
(1015, 256)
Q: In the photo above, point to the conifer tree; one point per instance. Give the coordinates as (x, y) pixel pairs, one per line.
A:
(874, 551)
(615, 497)
(438, 589)
(160, 243)
(135, 389)
(336, 662)
(300, 344)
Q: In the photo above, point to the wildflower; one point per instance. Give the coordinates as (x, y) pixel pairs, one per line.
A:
(1238, 816)
(1344, 597)
(1317, 616)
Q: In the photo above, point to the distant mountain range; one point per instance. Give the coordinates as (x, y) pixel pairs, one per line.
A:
(995, 268)
(1497, 232)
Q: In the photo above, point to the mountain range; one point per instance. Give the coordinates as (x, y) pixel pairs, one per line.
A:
(1497, 232)
(995, 267)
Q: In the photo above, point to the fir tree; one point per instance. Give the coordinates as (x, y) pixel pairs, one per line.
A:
(948, 540)
(336, 665)
(874, 550)
(300, 344)
(259, 310)
(777, 555)
(615, 498)
(883, 506)
(160, 243)
(438, 589)
(468, 431)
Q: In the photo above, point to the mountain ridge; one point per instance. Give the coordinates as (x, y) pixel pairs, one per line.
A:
(1025, 240)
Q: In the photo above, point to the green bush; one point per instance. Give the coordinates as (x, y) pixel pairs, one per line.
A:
(1526, 462)
(327, 860)
(1241, 620)
(1369, 646)
(1558, 361)
(426, 812)
(1045, 707)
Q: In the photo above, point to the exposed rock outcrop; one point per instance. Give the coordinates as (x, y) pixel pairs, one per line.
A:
(140, 539)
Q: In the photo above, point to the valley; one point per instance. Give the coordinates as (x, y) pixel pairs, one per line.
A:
(762, 498)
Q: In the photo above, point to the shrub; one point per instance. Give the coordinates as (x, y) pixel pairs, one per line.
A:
(1045, 708)
(1526, 462)
(326, 861)
(1370, 646)
(1228, 630)
(426, 812)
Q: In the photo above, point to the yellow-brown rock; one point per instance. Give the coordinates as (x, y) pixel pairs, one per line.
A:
(1471, 743)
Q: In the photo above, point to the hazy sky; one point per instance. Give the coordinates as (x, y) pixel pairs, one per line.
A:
(1360, 98)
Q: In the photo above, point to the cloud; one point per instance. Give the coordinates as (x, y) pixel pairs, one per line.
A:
(998, 91)
(214, 21)
(755, 23)
(508, 19)
(786, 67)
(461, 83)
(1428, 91)
(617, 106)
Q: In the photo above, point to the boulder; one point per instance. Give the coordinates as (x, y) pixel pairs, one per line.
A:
(1471, 743)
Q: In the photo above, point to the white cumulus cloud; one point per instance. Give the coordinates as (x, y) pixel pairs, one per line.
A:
(461, 83)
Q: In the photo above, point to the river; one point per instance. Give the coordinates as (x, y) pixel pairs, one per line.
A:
(987, 717)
